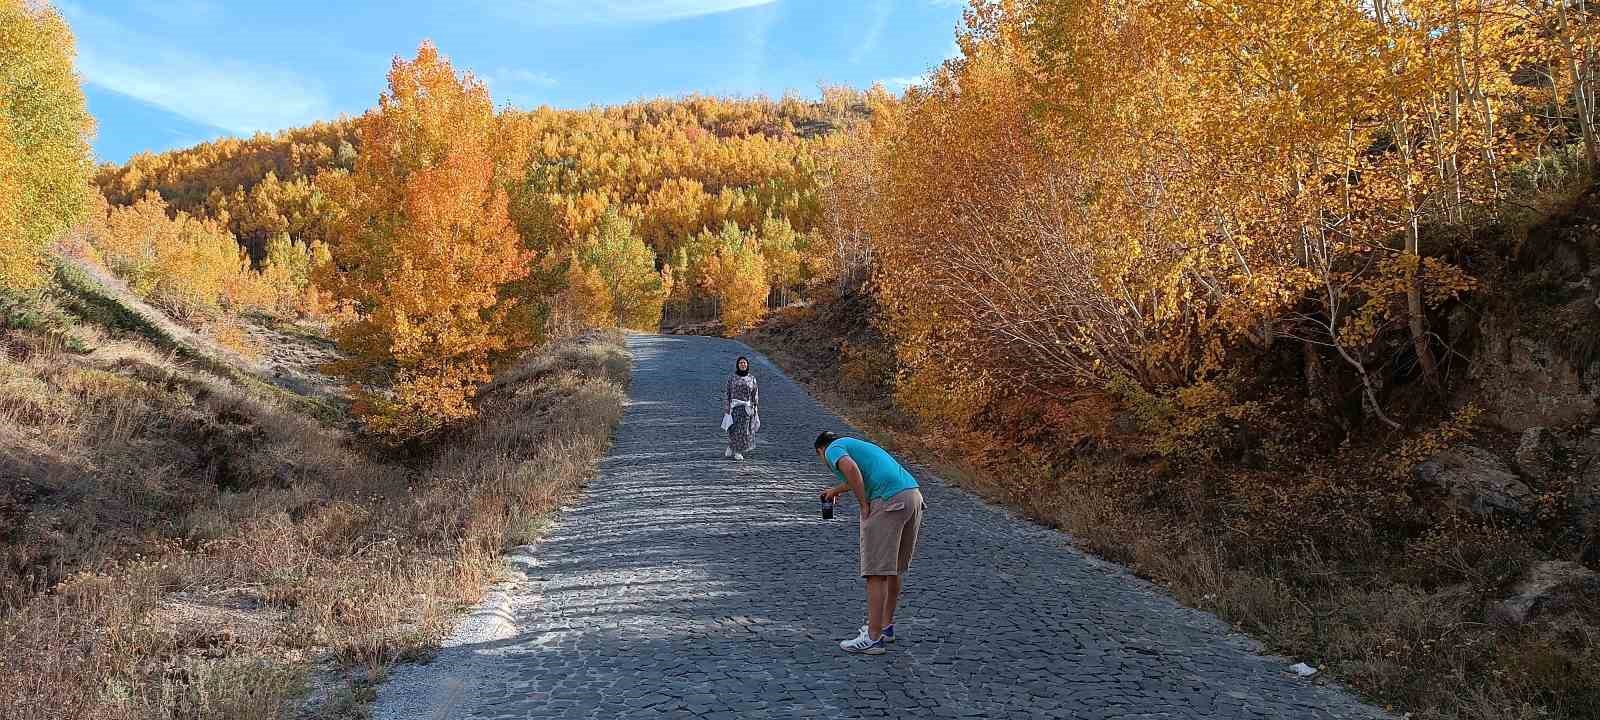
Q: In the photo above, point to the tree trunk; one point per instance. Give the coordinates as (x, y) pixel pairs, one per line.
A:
(1416, 321)
(1578, 68)
(1316, 375)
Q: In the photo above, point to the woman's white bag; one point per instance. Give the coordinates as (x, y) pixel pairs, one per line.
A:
(727, 421)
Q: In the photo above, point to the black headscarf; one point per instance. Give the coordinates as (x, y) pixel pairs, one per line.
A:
(746, 370)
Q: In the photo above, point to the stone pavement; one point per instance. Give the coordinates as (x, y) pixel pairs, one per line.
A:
(684, 585)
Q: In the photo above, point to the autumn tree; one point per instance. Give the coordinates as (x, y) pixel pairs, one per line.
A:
(287, 274)
(44, 153)
(422, 245)
(737, 274)
(583, 301)
(673, 168)
(18, 257)
(189, 266)
(852, 179)
(1101, 193)
(782, 249)
(191, 178)
(626, 267)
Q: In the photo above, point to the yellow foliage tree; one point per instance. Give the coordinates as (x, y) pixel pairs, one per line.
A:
(585, 299)
(738, 277)
(674, 168)
(626, 267)
(18, 260)
(1102, 190)
(287, 270)
(782, 248)
(191, 267)
(44, 126)
(422, 245)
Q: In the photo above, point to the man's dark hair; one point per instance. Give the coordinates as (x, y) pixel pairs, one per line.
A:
(825, 438)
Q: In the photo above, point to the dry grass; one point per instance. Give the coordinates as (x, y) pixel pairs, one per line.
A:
(1338, 570)
(177, 545)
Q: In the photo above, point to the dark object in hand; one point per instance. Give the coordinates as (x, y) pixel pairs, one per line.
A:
(827, 509)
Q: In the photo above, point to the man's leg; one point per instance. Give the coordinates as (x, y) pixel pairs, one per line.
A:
(907, 547)
(891, 599)
(877, 602)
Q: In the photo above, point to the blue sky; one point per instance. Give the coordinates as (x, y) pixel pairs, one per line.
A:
(161, 74)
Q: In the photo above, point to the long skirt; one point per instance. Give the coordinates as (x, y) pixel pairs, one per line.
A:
(741, 435)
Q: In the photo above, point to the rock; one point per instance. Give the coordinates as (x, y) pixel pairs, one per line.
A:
(1586, 499)
(1302, 669)
(1566, 261)
(1547, 587)
(1527, 382)
(1536, 456)
(1475, 480)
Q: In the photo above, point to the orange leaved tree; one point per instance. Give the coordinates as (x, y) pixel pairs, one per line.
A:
(422, 245)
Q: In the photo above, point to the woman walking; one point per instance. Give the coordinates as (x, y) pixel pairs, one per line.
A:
(741, 410)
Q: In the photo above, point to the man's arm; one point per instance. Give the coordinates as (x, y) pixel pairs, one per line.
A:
(854, 483)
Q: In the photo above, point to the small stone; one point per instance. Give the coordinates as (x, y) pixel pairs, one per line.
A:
(1476, 481)
(1302, 669)
(1536, 454)
(1547, 587)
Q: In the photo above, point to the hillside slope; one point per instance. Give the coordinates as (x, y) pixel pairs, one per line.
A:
(1450, 569)
(183, 534)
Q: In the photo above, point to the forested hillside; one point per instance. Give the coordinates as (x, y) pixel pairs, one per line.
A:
(610, 216)
(676, 170)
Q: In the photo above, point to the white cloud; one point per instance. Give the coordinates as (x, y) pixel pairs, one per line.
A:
(571, 12)
(221, 92)
(874, 34)
(901, 83)
(753, 42)
(518, 86)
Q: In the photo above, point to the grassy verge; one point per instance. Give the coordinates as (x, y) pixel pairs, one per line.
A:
(177, 543)
(1324, 557)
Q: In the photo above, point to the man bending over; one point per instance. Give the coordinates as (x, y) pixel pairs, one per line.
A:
(891, 514)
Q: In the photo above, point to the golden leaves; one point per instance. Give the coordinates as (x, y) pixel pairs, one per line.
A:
(189, 266)
(44, 128)
(737, 273)
(1151, 188)
(427, 243)
(630, 291)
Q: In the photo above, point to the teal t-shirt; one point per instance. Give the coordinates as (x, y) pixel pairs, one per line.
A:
(884, 476)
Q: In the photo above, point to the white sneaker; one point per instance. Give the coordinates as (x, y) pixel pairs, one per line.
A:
(727, 452)
(888, 633)
(738, 456)
(864, 645)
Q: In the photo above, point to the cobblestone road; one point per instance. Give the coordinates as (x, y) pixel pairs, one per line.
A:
(688, 586)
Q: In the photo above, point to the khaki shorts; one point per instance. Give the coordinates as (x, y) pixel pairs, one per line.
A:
(889, 534)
